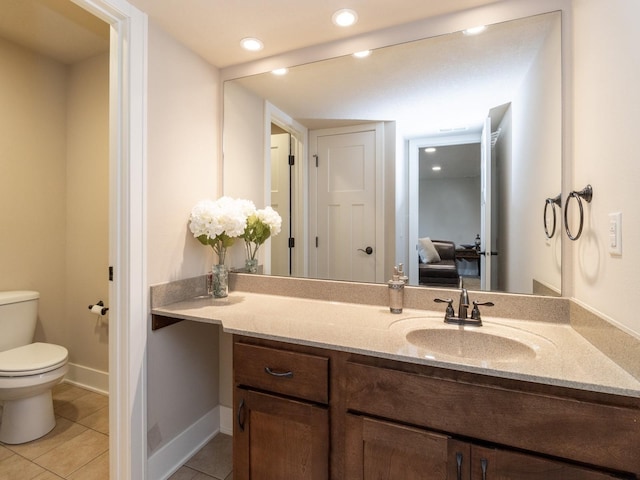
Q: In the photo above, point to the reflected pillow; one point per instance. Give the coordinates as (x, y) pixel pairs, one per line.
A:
(427, 251)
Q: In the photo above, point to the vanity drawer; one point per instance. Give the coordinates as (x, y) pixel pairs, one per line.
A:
(286, 372)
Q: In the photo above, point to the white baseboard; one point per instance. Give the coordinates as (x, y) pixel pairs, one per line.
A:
(89, 378)
(226, 420)
(170, 457)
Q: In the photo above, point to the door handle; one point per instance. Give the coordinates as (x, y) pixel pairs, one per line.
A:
(240, 420)
(459, 465)
(367, 250)
(483, 466)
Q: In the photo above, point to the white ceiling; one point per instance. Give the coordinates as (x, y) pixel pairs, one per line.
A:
(449, 81)
(212, 28)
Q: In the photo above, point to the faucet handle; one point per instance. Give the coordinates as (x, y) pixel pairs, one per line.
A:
(475, 313)
(449, 313)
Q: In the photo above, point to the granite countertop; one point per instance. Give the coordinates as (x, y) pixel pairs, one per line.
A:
(555, 354)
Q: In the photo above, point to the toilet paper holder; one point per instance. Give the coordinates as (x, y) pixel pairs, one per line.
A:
(99, 308)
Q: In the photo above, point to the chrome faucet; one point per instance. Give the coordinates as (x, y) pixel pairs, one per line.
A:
(463, 305)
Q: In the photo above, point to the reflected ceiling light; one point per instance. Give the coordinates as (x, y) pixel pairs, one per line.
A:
(251, 44)
(362, 54)
(280, 71)
(344, 17)
(436, 168)
(475, 30)
(430, 149)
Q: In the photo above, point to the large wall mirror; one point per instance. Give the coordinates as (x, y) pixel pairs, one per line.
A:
(451, 143)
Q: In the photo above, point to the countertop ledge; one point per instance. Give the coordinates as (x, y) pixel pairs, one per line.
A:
(566, 359)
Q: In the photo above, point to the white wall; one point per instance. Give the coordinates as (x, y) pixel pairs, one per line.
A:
(606, 150)
(449, 209)
(535, 172)
(244, 152)
(182, 375)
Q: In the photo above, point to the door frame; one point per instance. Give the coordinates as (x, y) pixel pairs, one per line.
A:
(414, 191)
(300, 198)
(128, 292)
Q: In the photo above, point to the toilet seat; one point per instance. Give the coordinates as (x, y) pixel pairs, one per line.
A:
(33, 359)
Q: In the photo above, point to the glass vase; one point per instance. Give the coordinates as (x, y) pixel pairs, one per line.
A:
(251, 265)
(220, 277)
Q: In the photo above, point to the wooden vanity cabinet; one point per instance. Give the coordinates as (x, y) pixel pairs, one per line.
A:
(352, 417)
(282, 417)
(389, 451)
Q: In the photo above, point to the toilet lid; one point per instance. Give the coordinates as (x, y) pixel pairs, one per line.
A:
(32, 359)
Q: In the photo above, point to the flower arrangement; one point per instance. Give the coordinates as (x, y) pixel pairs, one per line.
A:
(218, 223)
(261, 224)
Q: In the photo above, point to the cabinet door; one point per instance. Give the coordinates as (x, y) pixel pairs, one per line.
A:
(379, 450)
(495, 464)
(275, 438)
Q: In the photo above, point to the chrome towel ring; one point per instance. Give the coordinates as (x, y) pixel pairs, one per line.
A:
(587, 194)
(557, 200)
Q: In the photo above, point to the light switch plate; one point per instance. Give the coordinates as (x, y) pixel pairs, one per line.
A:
(615, 233)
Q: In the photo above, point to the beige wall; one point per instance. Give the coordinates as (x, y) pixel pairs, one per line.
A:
(87, 207)
(183, 125)
(606, 146)
(33, 182)
(54, 194)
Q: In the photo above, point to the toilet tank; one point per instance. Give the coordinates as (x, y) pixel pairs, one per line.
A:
(18, 315)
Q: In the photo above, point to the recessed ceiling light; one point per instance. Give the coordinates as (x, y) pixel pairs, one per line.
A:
(459, 128)
(430, 149)
(436, 168)
(475, 30)
(280, 71)
(251, 44)
(362, 54)
(344, 17)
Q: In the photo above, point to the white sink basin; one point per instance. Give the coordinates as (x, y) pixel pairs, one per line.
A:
(475, 344)
(495, 342)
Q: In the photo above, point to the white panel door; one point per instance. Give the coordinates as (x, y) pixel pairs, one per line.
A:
(346, 206)
(281, 202)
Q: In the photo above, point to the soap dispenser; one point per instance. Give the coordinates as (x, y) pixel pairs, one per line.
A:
(396, 292)
(401, 275)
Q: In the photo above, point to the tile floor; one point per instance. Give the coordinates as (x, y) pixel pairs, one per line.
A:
(78, 447)
(212, 462)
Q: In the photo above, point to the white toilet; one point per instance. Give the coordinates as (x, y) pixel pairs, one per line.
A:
(28, 371)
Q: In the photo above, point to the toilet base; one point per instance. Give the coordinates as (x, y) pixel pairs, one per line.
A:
(26, 419)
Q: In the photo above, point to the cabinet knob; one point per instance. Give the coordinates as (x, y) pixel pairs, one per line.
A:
(483, 466)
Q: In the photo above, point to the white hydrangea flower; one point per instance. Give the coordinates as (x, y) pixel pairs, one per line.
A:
(271, 218)
(223, 216)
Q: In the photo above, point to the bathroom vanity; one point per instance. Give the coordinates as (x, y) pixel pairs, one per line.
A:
(310, 413)
(327, 390)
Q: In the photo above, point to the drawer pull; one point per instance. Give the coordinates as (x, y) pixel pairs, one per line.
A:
(288, 374)
(459, 465)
